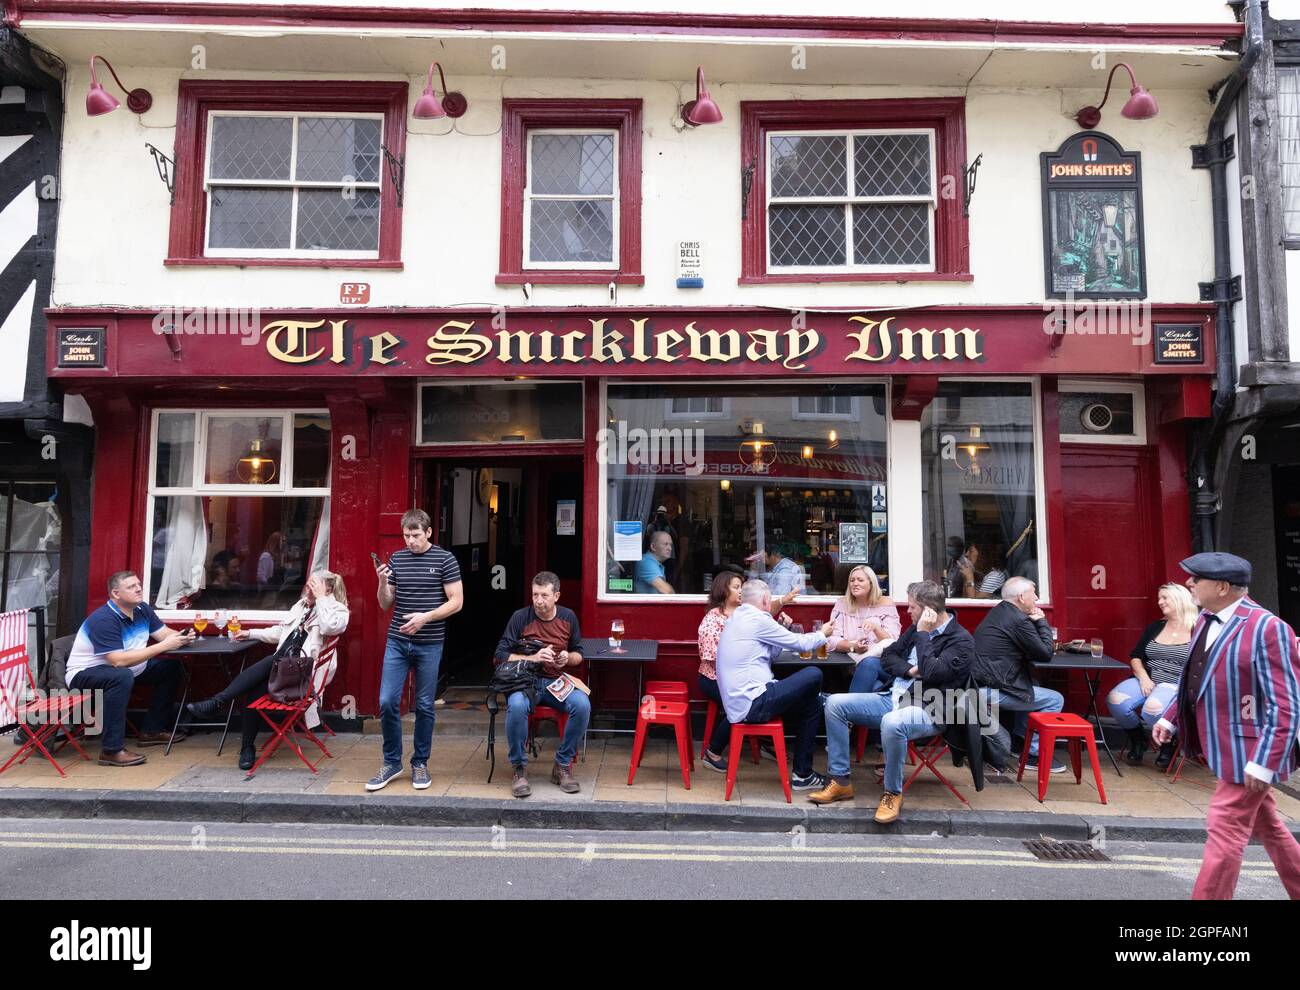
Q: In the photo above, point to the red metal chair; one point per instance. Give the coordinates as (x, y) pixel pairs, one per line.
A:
(1177, 759)
(740, 731)
(40, 718)
(667, 691)
(1050, 727)
(652, 711)
(926, 753)
(545, 713)
(710, 720)
(292, 723)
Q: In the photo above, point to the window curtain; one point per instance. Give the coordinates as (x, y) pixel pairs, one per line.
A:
(33, 577)
(185, 545)
(1012, 459)
(1288, 114)
(320, 548)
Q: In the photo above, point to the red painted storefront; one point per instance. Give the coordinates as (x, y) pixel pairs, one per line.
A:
(1124, 507)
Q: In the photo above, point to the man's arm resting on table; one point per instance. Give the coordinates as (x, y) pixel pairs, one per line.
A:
(129, 658)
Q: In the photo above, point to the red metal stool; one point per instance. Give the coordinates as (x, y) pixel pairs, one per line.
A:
(1050, 727)
(860, 734)
(666, 691)
(545, 713)
(710, 720)
(740, 731)
(674, 713)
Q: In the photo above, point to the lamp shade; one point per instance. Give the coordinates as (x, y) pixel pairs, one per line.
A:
(428, 106)
(100, 101)
(1141, 105)
(702, 109)
(256, 467)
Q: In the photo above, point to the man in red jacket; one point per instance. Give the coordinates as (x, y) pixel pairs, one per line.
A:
(1238, 707)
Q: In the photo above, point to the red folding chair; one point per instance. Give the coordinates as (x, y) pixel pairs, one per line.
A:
(927, 753)
(40, 718)
(292, 723)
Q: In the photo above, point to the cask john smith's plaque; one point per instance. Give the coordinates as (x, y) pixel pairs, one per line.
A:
(1179, 343)
(81, 347)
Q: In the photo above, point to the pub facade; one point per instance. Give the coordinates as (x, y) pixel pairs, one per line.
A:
(838, 290)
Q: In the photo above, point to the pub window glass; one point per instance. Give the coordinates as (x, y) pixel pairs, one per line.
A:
(979, 487)
(762, 489)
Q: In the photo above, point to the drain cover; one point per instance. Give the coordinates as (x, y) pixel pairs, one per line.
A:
(1051, 849)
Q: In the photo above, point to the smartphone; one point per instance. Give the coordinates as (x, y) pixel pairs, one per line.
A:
(375, 557)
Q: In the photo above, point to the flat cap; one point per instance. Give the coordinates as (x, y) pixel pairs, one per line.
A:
(1218, 567)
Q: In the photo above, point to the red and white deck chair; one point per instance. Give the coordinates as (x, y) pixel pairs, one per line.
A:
(292, 715)
(39, 717)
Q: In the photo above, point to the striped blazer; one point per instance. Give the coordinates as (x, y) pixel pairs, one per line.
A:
(1248, 709)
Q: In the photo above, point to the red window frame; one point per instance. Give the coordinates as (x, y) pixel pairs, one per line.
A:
(198, 98)
(945, 115)
(518, 117)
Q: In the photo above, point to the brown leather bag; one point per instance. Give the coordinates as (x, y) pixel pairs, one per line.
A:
(290, 678)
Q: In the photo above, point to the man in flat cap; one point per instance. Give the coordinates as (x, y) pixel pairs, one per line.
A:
(1237, 708)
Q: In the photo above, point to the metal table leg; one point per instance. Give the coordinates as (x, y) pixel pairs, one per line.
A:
(180, 710)
(231, 710)
(1094, 683)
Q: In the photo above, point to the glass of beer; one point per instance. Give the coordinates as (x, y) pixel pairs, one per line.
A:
(1096, 647)
(822, 651)
(200, 623)
(616, 636)
(232, 625)
(1056, 638)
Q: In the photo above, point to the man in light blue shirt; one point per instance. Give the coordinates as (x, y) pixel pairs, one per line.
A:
(750, 641)
(649, 575)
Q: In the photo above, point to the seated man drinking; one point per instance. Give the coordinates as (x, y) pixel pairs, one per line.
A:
(557, 627)
(935, 649)
(750, 641)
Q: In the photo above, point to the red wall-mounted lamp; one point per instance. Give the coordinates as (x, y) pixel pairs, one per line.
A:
(1141, 105)
(702, 109)
(429, 107)
(99, 101)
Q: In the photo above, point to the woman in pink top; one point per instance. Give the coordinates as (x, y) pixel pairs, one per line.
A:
(724, 598)
(865, 623)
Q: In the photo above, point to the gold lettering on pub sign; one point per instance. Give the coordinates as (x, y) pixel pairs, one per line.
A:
(460, 342)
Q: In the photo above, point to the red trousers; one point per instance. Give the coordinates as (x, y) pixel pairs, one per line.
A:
(1236, 816)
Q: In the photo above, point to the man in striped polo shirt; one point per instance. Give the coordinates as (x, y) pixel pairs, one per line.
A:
(423, 582)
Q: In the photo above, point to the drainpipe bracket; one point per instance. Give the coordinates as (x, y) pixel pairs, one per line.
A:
(1221, 290)
(1214, 152)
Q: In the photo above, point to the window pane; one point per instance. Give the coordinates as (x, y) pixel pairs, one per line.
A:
(509, 411)
(809, 166)
(891, 164)
(983, 494)
(175, 446)
(572, 230)
(1288, 118)
(311, 450)
(1095, 243)
(244, 450)
(806, 235)
(891, 233)
(29, 546)
(329, 220)
(251, 147)
(572, 164)
(807, 487)
(250, 218)
(332, 148)
(232, 552)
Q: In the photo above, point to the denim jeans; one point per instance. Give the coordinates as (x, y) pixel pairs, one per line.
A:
(1126, 698)
(798, 697)
(721, 738)
(875, 711)
(577, 706)
(866, 676)
(1045, 700)
(164, 673)
(400, 656)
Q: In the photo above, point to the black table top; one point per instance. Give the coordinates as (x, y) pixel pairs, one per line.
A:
(638, 650)
(788, 658)
(1080, 661)
(213, 646)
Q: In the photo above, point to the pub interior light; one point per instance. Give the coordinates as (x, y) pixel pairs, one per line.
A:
(726, 484)
(1141, 105)
(256, 467)
(834, 438)
(702, 109)
(807, 452)
(99, 101)
(429, 107)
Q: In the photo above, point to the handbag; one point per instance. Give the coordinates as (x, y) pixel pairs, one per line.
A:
(291, 668)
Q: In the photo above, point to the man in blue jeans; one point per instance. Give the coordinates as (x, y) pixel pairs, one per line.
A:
(750, 641)
(935, 650)
(556, 628)
(422, 585)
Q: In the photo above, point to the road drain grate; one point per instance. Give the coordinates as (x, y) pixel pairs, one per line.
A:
(1054, 851)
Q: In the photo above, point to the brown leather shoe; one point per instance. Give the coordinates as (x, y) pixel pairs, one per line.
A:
(159, 738)
(122, 758)
(519, 783)
(832, 792)
(560, 775)
(890, 806)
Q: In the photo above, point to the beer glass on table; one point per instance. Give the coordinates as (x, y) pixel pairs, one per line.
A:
(1096, 647)
(822, 651)
(616, 636)
(200, 622)
(232, 625)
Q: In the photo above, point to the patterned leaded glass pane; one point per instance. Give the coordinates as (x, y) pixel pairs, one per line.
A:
(251, 147)
(329, 221)
(809, 166)
(572, 164)
(892, 164)
(806, 235)
(331, 148)
(891, 233)
(572, 231)
(250, 218)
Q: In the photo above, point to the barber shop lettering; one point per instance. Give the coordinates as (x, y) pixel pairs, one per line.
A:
(614, 342)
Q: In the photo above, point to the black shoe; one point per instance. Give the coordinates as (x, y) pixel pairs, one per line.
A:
(1032, 765)
(203, 711)
(247, 757)
(1165, 756)
(1137, 747)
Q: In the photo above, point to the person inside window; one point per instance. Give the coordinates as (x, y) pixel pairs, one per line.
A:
(783, 576)
(1158, 660)
(864, 623)
(993, 558)
(320, 613)
(650, 578)
(270, 566)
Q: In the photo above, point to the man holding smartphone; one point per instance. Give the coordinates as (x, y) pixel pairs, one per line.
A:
(422, 585)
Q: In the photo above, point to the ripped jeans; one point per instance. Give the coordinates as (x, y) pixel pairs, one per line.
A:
(1125, 700)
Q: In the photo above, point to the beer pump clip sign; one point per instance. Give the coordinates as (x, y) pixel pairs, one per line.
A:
(1093, 244)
